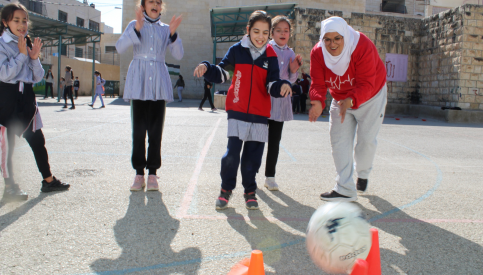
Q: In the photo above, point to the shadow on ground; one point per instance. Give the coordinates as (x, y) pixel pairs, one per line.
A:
(145, 235)
(423, 242)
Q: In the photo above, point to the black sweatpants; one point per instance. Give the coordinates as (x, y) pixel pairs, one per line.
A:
(274, 136)
(296, 104)
(68, 92)
(47, 86)
(36, 141)
(147, 116)
(303, 103)
(207, 96)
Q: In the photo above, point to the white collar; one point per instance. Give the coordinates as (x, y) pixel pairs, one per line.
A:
(7, 38)
(273, 43)
(246, 43)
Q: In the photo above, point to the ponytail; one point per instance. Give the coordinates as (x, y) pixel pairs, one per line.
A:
(29, 41)
(72, 74)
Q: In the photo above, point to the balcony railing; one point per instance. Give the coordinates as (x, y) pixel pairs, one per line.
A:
(35, 6)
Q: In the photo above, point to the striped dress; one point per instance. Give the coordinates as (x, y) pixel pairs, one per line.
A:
(148, 77)
(282, 107)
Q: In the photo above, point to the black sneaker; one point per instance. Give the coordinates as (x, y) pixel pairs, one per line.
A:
(361, 185)
(103, 106)
(65, 107)
(251, 201)
(222, 201)
(334, 196)
(72, 108)
(55, 185)
(91, 105)
(13, 193)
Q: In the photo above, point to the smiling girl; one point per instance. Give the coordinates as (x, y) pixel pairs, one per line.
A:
(256, 77)
(148, 85)
(20, 68)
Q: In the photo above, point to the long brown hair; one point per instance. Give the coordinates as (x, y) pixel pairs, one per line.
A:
(259, 16)
(7, 15)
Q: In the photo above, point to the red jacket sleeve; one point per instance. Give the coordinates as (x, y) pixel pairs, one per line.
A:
(365, 62)
(318, 90)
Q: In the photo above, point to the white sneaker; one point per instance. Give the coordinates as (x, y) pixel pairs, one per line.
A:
(271, 184)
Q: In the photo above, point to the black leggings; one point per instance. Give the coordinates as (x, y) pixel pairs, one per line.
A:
(274, 136)
(147, 116)
(207, 96)
(36, 141)
(68, 92)
(47, 85)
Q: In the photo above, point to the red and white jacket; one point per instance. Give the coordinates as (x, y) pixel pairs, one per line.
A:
(364, 78)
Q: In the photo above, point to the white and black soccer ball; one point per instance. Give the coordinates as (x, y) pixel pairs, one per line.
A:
(337, 235)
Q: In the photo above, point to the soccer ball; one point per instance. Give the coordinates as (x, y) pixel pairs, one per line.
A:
(337, 235)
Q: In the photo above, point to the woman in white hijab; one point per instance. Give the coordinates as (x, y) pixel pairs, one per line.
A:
(347, 63)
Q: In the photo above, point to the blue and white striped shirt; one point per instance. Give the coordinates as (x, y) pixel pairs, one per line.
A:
(148, 77)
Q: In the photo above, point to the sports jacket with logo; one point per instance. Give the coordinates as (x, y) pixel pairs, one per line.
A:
(248, 97)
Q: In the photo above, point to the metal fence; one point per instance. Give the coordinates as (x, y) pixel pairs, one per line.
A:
(83, 51)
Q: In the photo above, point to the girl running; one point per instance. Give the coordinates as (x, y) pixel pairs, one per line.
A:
(20, 68)
(256, 77)
(148, 85)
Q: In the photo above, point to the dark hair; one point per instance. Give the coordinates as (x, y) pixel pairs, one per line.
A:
(280, 18)
(63, 79)
(49, 72)
(7, 15)
(259, 16)
(97, 72)
(163, 5)
(69, 68)
(181, 77)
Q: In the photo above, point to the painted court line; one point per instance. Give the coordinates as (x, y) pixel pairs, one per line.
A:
(188, 196)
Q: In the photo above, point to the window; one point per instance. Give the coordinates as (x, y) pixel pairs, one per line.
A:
(394, 6)
(63, 50)
(79, 52)
(80, 22)
(93, 25)
(111, 49)
(62, 16)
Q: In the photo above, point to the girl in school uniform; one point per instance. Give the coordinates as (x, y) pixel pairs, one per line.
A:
(20, 68)
(68, 86)
(49, 78)
(148, 85)
(281, 111)
(99, 89)
(256, 77)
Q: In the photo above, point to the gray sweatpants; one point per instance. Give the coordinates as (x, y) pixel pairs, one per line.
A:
(367, 121)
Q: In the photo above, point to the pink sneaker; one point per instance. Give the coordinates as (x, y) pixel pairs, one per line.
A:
(138, 184)
(152, 183)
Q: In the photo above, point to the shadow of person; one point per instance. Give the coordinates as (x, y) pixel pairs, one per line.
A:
(145, 234)
(423, 248)
(283, 250)
(294, 214)
(11, 217)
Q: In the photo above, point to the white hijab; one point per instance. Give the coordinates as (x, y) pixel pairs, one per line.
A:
(339, 64)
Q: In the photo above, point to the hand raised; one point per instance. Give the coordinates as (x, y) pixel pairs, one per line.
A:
(200, 70)
(22, 45)
(286, 90)
(36, 47)
(139, 18)
(174, 23)
(296, 63)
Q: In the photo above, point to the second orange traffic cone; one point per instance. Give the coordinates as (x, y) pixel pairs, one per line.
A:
(374, 257)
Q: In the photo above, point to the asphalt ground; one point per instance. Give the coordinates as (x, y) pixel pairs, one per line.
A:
(425, 198)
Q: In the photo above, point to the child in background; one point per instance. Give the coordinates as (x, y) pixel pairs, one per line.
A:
(148, 85)
(49, 78)
(76, 86)
(256, 77)
(61, 86)
(99, 89)
(69, 81)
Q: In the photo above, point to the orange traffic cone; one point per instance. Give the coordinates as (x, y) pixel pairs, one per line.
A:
(360, 267)
(374, 257)
(252, 266)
